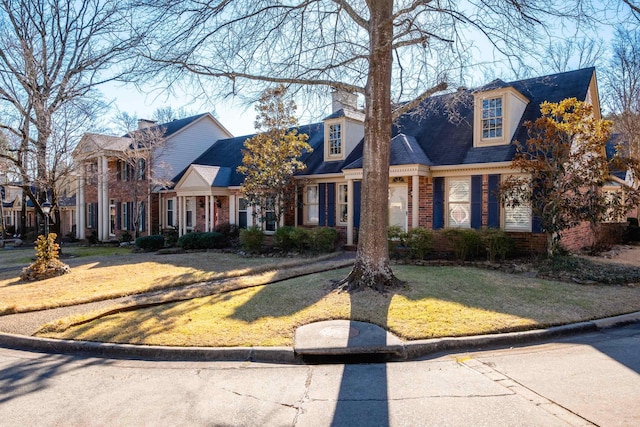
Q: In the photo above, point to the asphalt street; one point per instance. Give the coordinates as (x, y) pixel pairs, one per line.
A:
(584, 380)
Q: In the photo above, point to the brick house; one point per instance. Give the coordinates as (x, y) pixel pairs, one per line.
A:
(447, 159)
(114, 194)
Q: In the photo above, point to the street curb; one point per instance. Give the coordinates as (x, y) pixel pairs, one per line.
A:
(287, 355)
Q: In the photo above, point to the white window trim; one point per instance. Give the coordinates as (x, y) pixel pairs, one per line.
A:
(340, 203)
(305, 205)
(503, 217)
(166, 212)
(446, 201)
(479, 141)
(327, 130)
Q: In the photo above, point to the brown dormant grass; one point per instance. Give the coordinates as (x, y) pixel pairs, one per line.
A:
(437, 302)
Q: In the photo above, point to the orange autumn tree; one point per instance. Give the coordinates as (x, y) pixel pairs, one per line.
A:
(566, 168)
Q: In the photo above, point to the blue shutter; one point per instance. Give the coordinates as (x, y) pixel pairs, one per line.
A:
(130, 216)
(356, 203)
(476, 201)
(494, 201)
(438, 203)
(118, 216)
(331, 204)
(537, 224)
(95, 215)
(143, 214)
(322, 209)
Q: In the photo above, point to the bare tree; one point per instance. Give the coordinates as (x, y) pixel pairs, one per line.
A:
(355, 46)
(138, 169)
(622, 88)
(52, 55)
(571, 54)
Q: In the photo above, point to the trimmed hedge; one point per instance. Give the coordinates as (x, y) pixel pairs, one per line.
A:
(150, 243)
(202, 240)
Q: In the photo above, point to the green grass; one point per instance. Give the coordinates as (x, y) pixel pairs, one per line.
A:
(437, 302)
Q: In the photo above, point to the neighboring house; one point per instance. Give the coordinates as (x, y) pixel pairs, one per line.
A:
(14, 205)
(105, 205)
(448, 158)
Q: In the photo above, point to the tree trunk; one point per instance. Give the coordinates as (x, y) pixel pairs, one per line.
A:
(372, 261)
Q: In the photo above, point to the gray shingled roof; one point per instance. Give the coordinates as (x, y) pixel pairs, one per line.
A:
(430, 135)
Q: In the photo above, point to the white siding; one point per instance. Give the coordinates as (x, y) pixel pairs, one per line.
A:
(186, 145)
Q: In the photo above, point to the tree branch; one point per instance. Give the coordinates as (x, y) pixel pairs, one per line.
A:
(405, 108)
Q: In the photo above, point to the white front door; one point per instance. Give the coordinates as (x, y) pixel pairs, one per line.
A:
(398, 197)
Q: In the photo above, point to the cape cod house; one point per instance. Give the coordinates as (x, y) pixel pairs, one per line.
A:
(447, 159)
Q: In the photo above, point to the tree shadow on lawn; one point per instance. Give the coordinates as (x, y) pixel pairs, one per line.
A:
(463, 293)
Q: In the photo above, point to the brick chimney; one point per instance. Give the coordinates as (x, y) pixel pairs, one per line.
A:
(146, 123)
(342, 99)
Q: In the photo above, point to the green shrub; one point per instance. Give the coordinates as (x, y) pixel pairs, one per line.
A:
(251, 239)
(497, 243)
(420, 242)
(231, 233)
(466, 243)
(150, 243)
(170, 237)
(126, 237)
(283, 238)
(202, 240)
(300, 238)
(396, 237)
(188, 241)
(211, 240)
(633, 230)
(323, 239)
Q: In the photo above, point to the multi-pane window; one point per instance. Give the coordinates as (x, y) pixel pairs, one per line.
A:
(342, 203)
(335, 139)
(311, 202)
(492, 118)
(189, 213)
(269, 217)
(90, 215)
(141, 169)
(243, 210)
(170, 209)
(112, 217)
(125, 216)
(459, 202)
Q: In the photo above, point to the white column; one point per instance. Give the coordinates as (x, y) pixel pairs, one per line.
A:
(212, 209)
(80, 208)
(182, 220)
(105, 199)
(415, 200)
(101, 177)
(350, 212)
(232, 209)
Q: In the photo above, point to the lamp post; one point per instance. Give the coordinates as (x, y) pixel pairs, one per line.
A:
(46, 209)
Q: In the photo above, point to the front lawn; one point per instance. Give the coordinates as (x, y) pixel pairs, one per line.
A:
(121, 272)
(437, 302)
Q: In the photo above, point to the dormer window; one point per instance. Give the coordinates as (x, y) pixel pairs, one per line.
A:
(335, 140)
(492, 118)
(496, 116)
(335, 131)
